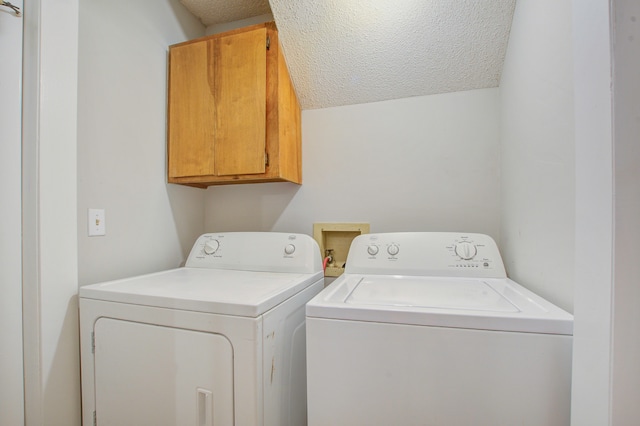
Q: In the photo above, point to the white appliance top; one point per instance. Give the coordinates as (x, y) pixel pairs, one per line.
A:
(435, 279)
(243, 274)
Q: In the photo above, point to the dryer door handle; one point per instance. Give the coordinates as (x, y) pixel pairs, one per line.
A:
(205, 407)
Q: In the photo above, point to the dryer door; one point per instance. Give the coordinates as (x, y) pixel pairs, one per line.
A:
(154, 375)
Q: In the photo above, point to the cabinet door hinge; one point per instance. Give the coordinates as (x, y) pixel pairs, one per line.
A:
(268, 42)
(266, 159)
(93, 344)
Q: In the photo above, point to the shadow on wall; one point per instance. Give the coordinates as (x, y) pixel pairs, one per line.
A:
(187, 211)
(61, 392)
(184, 19)
(246, 209)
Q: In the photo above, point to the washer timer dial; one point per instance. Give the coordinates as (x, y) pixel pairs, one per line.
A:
(466, 250)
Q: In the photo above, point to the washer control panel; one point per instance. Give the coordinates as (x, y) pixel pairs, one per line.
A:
(256, 251)
(426, 253)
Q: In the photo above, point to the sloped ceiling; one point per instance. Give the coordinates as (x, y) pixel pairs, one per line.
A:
(343, 52)
(212, 12)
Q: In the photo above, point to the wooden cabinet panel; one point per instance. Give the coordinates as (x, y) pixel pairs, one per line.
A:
(289, 125)
(191, 111)
(231, 107)
(240, 67)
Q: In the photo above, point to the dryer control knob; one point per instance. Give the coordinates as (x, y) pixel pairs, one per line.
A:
(289, 249)
(393, 249)
(372, 249)
(466, 250)
(211, 246)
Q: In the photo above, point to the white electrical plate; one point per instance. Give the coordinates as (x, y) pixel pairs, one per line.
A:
(96, 223)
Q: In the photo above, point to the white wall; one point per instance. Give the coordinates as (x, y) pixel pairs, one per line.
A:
(626, 268)
(122, 82)
(537, 150)
(427, 163)
(49, 213)
(593, 333)
(11, 368)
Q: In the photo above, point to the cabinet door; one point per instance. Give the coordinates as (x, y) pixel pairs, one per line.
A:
(191, 110)
(240, 68)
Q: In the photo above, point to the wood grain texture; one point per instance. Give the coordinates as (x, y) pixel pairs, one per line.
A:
(240, 105)
(289, 125)
(191, 123)
(240, 63)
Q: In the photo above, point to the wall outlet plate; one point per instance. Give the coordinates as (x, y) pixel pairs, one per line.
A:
(334, 240)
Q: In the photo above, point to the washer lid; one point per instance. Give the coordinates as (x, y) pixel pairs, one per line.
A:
(484, 304)
(415, 292)
(229, 292)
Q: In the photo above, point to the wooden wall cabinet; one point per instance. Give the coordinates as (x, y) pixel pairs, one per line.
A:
(233, 115)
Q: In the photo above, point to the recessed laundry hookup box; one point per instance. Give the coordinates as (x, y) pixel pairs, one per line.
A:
(334, 240)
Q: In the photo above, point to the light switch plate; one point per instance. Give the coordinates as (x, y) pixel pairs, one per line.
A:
(97, 223)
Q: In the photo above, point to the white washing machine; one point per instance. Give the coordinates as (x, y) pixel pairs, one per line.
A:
(220, 341)
(426, 329)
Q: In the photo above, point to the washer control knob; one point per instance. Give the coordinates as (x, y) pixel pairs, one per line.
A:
(466, 250)
(372, 249)
(393, 249)
(289, 249)
(211, 246)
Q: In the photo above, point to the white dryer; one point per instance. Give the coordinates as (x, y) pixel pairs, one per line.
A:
(220, 341)
(426, 329)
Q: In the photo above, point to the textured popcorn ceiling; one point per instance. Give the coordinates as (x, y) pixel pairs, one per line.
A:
(343, 52)
(212, 12)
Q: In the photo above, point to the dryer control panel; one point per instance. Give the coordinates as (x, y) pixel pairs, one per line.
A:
(256, 251)
(446, 254)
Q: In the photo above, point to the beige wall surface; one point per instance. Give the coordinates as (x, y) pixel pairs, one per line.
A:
(49, 278)
(122, 81)
(428, 163)
(11, 366)
(537, 151)
(626, 346)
